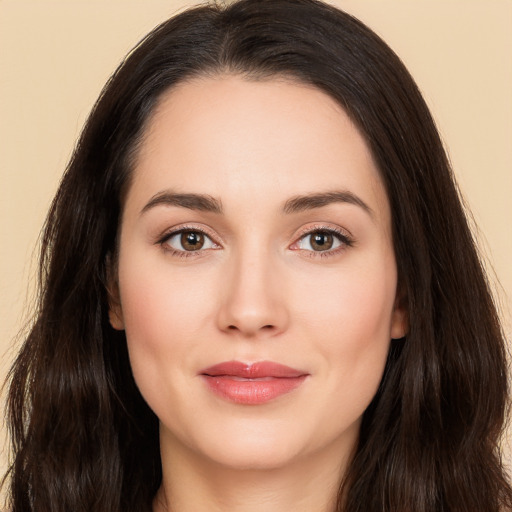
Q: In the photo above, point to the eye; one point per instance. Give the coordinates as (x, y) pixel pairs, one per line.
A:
(322, 240)
(189, 240)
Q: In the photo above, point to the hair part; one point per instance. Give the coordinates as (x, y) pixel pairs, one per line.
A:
(84, 439)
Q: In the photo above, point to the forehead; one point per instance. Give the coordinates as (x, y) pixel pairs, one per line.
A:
(228, 136)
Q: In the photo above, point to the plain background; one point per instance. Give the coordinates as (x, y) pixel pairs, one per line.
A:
(55, 57)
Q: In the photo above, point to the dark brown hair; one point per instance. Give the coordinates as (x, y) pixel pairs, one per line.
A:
(84, 439)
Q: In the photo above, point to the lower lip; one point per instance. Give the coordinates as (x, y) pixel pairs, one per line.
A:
(252, 391)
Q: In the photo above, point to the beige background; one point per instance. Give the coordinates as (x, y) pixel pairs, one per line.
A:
(56, 55)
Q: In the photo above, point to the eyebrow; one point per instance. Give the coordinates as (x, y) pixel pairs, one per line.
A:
(207, 203)
(312, 201)
(201, 202)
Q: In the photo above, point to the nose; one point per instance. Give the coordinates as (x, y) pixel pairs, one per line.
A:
(253, 297)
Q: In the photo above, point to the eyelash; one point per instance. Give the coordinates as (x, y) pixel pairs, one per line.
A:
(344, 239)
(182, 254)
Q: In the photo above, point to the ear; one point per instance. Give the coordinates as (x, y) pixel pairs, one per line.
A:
(399, 317)
(115, 311)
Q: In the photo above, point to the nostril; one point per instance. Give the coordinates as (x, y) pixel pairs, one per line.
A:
(265, 327)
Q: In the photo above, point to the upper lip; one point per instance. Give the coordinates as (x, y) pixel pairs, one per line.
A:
(256, 370)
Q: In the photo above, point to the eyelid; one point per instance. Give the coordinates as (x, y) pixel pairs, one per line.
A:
(343, 235)
(311, 228)
(180, 228)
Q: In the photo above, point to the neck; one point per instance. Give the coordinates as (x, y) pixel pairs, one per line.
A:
(193, 484)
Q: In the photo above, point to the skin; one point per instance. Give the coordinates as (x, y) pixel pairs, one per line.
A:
(257, 290)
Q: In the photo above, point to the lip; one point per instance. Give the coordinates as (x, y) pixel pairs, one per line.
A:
(252, 384)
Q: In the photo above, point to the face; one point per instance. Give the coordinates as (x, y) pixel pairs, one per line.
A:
(256, 273)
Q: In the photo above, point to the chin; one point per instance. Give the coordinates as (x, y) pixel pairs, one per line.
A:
(252, 447)
(253, 456)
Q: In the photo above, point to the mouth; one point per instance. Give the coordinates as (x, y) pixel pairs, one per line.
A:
(252, 384)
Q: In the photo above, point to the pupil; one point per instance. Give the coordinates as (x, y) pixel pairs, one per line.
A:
(192, 238)
(322, 241)
(192, 241)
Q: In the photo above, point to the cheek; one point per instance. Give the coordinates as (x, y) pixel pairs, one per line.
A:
(352, 326)
(350, 323)
(352, 302)
(164, 313)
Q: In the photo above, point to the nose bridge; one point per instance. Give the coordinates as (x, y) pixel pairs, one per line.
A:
(253, 301)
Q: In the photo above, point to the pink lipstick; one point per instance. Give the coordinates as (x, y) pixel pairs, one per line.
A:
(252, 384)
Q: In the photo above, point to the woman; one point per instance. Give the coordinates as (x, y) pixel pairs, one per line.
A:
(259, 289)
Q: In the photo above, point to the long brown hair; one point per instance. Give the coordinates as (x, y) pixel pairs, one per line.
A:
(84, 439)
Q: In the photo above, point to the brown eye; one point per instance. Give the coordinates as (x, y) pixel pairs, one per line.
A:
(188, 240)
(192, 240)
(321, 241)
